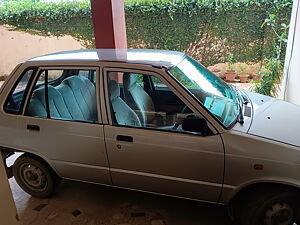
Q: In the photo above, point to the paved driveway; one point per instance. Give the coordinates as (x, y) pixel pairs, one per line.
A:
(78, 203)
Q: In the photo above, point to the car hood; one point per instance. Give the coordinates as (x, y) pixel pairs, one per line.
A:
(275, 119)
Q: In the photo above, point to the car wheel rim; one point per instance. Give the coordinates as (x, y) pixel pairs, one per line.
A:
(279, 214)
(33, 177)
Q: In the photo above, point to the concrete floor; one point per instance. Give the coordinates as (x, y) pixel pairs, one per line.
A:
(78, 203)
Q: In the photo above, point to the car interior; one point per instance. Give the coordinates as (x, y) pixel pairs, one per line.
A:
(143, 100)
(15, 98)
(71, 96)
(138, 100)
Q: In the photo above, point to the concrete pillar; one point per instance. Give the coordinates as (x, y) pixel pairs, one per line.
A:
(290, 90)
(109, 24)
(8, 212)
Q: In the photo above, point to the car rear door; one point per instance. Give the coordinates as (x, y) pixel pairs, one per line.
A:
(159, 158)
(74, 148)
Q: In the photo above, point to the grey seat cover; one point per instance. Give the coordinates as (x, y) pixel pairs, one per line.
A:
(138, 98)
(124, 115)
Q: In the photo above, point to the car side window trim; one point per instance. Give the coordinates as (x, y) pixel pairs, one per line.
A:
(45, 68)
(108, 111)
(46, 94)
(26, 91)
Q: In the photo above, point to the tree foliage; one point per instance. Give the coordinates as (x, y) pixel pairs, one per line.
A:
(209, 30)
(271, 78)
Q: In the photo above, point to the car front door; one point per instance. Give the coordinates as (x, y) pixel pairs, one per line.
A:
(61, 123)
(147, 146)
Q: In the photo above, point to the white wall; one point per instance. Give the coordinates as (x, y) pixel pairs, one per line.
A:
(290, 90)
(8, 210)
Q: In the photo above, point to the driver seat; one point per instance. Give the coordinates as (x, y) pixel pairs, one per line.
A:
(123, 114)
(137, 98)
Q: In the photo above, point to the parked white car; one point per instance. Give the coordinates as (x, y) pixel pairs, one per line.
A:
(155, 121)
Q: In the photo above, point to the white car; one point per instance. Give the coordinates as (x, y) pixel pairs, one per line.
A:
(155, 121)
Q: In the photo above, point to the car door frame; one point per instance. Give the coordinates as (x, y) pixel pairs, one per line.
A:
(174, 87)
(101, 174)
(181, 93)
(67, 67)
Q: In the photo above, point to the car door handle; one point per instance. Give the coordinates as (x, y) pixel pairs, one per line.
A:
(33, 127)
(124, 138)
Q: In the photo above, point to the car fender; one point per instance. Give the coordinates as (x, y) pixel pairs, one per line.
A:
(230, 194)
(38, 154)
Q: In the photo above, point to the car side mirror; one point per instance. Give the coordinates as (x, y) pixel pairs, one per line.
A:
(194, 124)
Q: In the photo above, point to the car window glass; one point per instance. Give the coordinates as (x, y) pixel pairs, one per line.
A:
(15, 98)
(65, 95)
(216, 95)
(135, 105)
(84, 73)
(157, 83)
(52, 75)
(89, 74)
(41, 79)
(140, 78)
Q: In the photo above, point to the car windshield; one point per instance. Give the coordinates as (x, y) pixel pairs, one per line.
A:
(216, 95)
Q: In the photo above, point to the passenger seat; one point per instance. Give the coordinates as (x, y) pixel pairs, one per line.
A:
(73, 99)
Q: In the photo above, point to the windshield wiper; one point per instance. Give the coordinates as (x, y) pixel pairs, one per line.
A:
(242, 101)
(241, 115)
(244, 96)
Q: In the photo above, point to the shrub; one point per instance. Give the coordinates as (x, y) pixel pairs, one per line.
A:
(209, 30)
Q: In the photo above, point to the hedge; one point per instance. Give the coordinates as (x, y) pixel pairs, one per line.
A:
(206, 29)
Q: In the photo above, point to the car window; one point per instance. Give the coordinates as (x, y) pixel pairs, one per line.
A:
(158, 84)
(64, 95)
(217, 96)
(89, 74)
(140, 78)
(16, 97)
(52, 75)
(135, 105)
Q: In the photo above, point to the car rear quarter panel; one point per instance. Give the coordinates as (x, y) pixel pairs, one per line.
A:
(281, 163)
(9, 122)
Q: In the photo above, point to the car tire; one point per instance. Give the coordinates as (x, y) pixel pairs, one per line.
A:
(35, 176)
(271, 207)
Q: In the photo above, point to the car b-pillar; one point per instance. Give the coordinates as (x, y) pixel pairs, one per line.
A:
(109, 24)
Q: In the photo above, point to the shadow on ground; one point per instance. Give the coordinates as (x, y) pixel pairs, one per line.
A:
(77, 203)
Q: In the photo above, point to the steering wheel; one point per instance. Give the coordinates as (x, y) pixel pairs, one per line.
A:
(178, 122)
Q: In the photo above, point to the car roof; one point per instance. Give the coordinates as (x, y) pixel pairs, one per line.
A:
(160, 58)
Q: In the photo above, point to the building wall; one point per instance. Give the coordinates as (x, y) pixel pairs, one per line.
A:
(16, 47)
(291, 81)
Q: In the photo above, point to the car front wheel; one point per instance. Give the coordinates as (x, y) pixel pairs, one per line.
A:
(273, 207)
(34, 176)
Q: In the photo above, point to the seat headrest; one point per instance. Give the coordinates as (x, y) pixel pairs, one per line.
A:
(114, 89)
(74, 82)
(129, 81)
